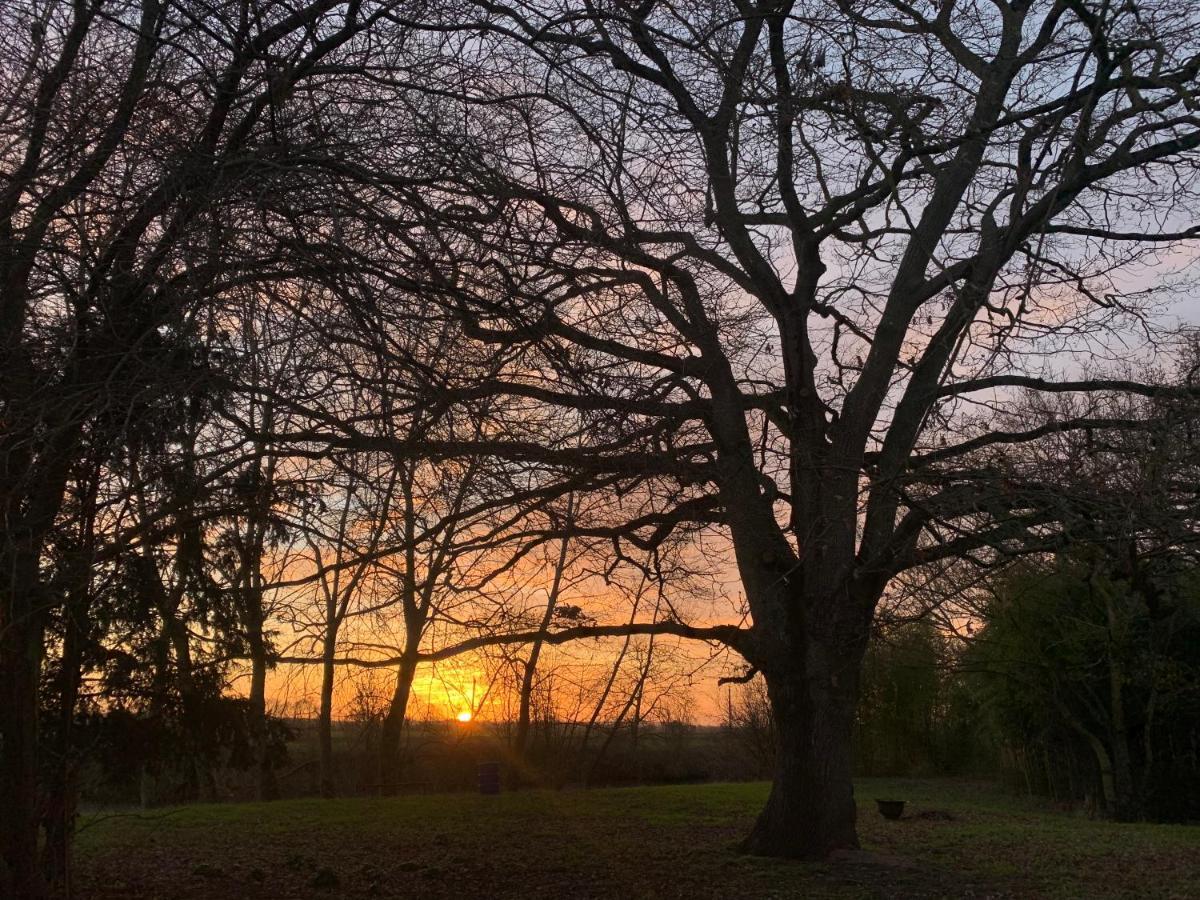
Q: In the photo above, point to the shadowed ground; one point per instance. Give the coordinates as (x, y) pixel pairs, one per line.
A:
(957, 839)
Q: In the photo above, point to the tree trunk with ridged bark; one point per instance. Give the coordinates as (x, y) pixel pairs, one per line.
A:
(810, 813)
(20, 667)
(390, 738)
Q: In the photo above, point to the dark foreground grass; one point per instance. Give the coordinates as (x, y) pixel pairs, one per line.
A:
(957, 839)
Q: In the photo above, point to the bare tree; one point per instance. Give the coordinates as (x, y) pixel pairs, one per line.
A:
(1109, 605)
(344, 561)
(529, 666)
(124, 124)
(453, 523)
(779, 256)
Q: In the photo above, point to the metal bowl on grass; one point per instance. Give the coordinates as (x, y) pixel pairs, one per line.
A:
(890, 809)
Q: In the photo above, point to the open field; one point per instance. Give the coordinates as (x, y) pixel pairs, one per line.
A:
(957, 839)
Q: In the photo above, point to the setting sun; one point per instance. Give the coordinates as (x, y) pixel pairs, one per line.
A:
(464, 716)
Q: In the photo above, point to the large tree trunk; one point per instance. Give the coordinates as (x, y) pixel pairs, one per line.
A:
(21, 642)
(23, 607)
(266, 785)
(63, 790)
(535, 652)
(325, 716)
(390, 763)
(203, 781)
(810, 813)
(20, 652)
(521, 738)
(1125, 805)
(1104, 768)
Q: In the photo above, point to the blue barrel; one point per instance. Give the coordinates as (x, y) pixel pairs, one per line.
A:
(489, 778)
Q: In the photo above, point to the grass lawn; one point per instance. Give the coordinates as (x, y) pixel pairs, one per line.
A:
(957, 839)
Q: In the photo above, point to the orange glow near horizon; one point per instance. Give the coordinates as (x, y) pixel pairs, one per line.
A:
(484, 683)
